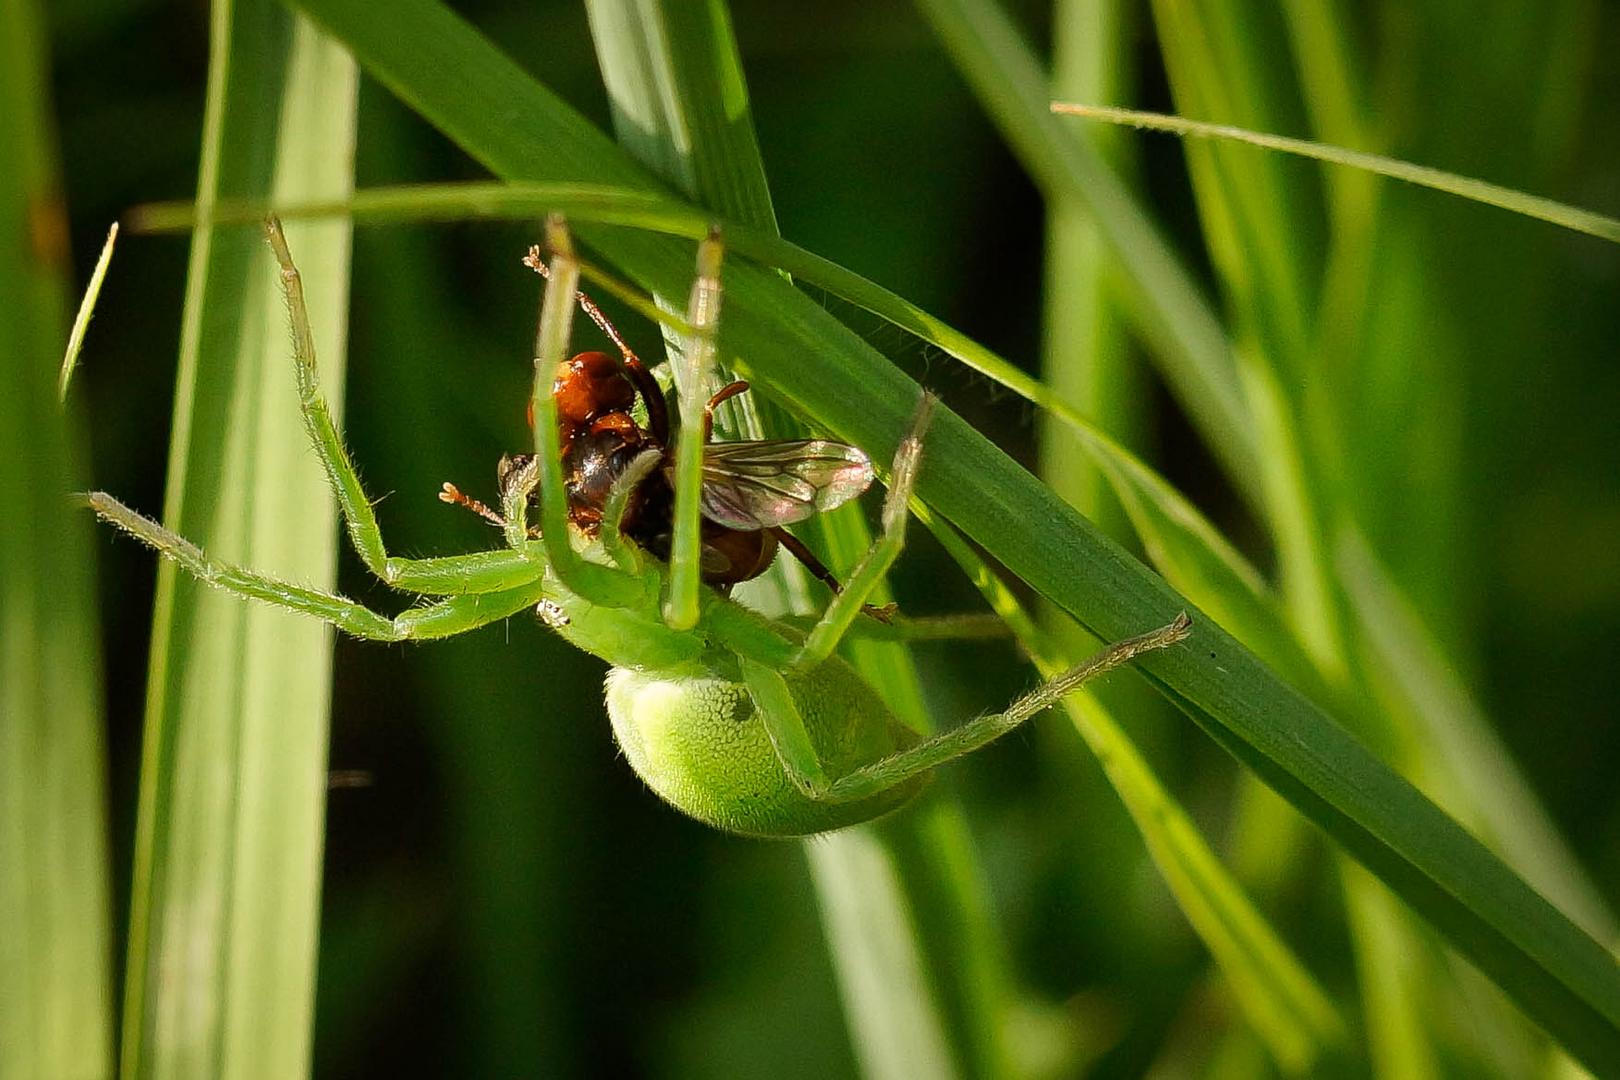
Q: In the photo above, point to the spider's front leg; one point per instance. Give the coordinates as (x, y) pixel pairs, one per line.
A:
(437, 577)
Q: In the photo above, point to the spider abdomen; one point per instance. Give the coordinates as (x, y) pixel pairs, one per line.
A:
(700, 744)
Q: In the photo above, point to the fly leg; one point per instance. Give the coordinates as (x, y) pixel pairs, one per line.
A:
(819, 571)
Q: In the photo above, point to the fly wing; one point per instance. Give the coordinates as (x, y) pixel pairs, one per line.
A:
(760, 485)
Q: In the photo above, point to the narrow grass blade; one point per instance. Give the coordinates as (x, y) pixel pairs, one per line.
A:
(1263, 224)
(227, 876)
(806, 359)
(55, 961)
(1185, 547)
(87, 307)
(1564, 215)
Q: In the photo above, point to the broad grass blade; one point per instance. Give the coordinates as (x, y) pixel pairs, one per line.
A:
(227, 877)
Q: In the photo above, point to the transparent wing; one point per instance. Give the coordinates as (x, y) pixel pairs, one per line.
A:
(759, 485)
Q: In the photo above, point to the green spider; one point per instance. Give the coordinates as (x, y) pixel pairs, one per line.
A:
(751, 725)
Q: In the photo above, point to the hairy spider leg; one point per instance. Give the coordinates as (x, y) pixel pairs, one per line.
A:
(850, 601)
(415, 575)
(791, 741)
(695, 365)
(603, 585)
(652, 395)
(453, 615)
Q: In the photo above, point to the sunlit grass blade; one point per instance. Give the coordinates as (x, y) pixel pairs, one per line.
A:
(1279, 997)
(1166, 306)
(56, 1011)
(806, 359)
(926, 995)
(1558, 213)
(87, 307)
(1182, 543)
(229, 838)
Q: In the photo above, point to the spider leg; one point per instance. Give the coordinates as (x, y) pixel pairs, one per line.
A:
(686, 552)
(618, 549)
(443, 619)
(599, 584)
(414, 575)
(818, 570)
(788, 735)
(851, 599)
(651, 393)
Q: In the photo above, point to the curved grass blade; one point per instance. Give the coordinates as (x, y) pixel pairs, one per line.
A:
(643, 210)
(1562, 214)
(226, 890)
(56, 1014)
(808, 360)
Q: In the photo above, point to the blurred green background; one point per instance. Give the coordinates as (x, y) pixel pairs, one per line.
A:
(502, 897)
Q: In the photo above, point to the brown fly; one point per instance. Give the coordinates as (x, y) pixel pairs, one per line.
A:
(751, 490)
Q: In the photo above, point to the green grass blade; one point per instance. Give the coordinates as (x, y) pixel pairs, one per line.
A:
(1167, 307)
(55, 969)
(680, 104)
(1279, 997)
(1185, 547)
(926, 996)
(1564, 215)
(1182, 543)
(806, 359)
(227, 876)
(87, 307)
